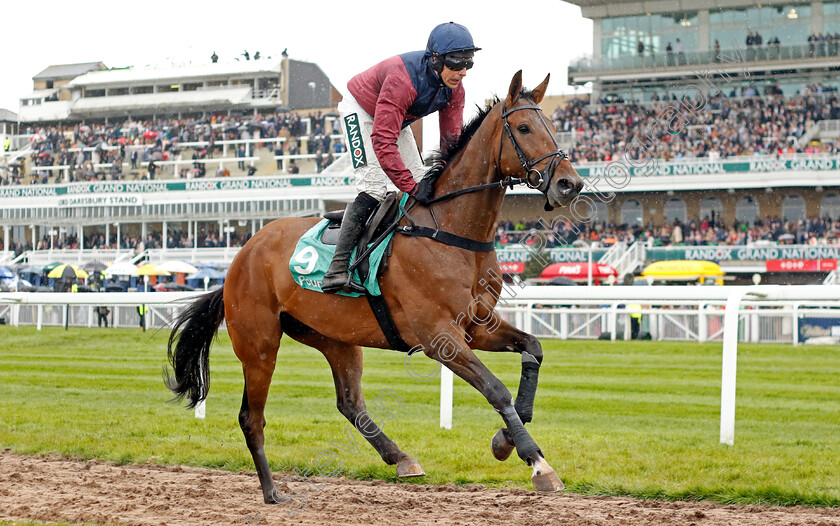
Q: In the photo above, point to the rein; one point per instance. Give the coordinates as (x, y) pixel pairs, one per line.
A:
(543, 177)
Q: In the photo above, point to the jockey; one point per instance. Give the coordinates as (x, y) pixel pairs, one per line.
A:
(376, 111)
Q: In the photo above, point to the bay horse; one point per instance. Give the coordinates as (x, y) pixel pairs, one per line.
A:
(429, 287)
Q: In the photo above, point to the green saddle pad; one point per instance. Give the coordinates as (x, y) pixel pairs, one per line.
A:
(312, 258)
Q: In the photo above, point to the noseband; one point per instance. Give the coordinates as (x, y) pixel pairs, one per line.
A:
(537, 179)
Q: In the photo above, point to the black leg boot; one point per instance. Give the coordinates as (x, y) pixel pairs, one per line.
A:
(337, 277)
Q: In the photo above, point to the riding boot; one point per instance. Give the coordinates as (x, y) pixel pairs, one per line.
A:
(356, 215)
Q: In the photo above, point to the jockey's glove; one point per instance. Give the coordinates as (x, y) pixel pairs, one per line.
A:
(424, 191)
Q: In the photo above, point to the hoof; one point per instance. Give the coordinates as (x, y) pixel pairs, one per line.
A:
(501, 446)
(547, 481)
(276, 498)
(408, 467)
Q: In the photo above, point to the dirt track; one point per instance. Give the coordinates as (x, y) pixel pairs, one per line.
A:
(60, 489)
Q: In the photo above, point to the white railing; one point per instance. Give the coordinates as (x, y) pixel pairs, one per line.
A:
(734, 298)
(829, 128)
(520, 304)
(77, 256)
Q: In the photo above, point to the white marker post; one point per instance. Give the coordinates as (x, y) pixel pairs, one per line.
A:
(447, 379)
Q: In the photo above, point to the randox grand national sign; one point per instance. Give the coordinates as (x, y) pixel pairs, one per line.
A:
(189, 185)
(519, 254)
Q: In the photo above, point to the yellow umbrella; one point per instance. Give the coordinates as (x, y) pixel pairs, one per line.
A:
(67, 271)
(151, 270)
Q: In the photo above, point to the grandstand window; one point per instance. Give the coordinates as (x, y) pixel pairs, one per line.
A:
(191, 86)
(746, 210)
(167, 88)
(711, 208)
(830, 206)
(94, 93)
(793, 208)
(621, 35)
(632, 213)
(139, 90)
(675, 210)
(112, 92)
(790, 23)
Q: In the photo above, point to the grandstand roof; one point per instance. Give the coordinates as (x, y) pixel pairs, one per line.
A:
(8, 116)
(67, 71)
(135, 76)
(609, 8)
(162, 101)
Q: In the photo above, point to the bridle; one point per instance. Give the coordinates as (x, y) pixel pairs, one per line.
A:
(543, 177)
(537, 179)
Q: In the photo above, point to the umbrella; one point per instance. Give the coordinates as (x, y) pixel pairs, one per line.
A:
(785, 237)
(177, 267)
(67, 271)
(207, 272)
(150, 134)
(123, 268)
(22, 285)
(6, 273)
(151, 270)
(51, 266)
(93, 266)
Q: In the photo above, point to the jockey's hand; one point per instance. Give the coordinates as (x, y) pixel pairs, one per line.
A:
(424, 191)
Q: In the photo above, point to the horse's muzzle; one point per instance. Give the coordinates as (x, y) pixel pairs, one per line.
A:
(564, 186)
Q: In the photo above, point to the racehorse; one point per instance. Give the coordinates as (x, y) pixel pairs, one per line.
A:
(430, 288)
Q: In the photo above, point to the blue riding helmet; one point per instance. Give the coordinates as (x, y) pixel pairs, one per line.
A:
(450, 38)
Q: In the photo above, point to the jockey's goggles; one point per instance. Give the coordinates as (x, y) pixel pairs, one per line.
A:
(458, 61)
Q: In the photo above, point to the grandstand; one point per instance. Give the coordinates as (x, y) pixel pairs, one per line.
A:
(693, 152)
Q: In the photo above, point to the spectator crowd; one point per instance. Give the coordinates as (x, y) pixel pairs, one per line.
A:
(133, 149)
(725, 127)
(705, 232)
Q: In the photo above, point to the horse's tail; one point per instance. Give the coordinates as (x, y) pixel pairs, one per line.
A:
(189, 348)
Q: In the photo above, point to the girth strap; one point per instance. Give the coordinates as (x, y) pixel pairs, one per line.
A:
(447, 239)
(386, 323)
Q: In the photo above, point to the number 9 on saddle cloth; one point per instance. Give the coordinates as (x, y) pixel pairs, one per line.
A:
(314, 251)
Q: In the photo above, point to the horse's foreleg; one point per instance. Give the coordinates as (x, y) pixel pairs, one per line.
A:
(463, 362)
(346, 363)
(504, 337)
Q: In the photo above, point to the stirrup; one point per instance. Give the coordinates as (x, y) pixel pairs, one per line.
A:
(348, 286)
(352, 286)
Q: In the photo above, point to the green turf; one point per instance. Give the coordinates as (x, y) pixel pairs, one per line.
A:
(613, 418)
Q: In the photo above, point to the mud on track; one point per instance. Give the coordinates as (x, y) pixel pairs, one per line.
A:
(60, 489)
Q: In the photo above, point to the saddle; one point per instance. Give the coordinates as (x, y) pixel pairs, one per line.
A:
(382, 217)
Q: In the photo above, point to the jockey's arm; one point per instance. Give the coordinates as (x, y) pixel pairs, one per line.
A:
(391, 108)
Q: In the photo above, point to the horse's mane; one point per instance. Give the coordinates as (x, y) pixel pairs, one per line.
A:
(441, 157)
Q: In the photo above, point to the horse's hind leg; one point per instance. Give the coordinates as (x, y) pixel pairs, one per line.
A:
(258, 352)
(346, 363)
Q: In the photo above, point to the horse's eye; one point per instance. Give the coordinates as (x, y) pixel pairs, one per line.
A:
(523, 128)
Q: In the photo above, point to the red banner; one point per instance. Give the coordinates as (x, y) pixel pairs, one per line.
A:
(801, 265)
(512, 267)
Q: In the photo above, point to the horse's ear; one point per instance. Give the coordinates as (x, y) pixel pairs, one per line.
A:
(539, 91)
(515, 88)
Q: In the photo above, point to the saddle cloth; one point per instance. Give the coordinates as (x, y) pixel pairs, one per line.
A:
(315, 249)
